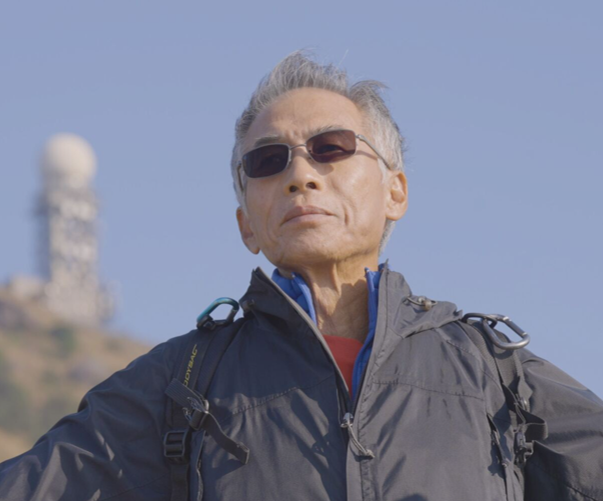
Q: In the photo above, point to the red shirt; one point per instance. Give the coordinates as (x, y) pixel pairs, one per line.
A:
(345, 351)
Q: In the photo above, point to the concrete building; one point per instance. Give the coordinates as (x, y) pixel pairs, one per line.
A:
(66, 213)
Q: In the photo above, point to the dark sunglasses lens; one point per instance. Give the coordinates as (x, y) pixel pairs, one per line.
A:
(266, 160)
(332, 145)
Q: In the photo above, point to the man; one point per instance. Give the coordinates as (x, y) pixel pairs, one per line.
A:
(337, 383)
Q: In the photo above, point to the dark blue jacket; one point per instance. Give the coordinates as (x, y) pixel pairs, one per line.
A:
(429, 408)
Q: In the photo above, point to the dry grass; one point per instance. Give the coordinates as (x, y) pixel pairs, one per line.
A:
(46, 366)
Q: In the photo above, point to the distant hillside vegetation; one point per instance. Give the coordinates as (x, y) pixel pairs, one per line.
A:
(46, 366)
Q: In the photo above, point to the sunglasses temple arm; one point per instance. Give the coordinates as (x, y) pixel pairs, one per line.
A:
(362, 138)
(240, 177)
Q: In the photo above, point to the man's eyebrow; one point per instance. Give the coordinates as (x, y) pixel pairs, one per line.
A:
(271, 139)
(277, 138)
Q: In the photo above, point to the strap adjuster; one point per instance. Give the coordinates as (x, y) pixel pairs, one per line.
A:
(523, 449)
(200, 411)
(175, 445)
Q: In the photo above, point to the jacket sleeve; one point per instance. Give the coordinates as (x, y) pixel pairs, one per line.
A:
(110, 449)
(568, 464)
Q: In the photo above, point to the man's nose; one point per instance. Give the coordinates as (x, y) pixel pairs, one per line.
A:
(301, 173)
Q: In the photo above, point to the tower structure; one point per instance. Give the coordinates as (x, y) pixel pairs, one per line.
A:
(67, 218)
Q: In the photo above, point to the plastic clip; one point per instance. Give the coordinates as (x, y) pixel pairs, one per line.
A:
(523, 449)
(200, 411)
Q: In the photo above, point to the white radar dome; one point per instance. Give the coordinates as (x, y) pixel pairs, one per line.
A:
(68, 157)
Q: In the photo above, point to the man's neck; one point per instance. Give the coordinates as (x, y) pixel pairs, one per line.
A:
(340, 297)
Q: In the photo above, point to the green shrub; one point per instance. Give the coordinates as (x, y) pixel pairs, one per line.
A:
(50, 378)
(65, 338)
(113, 344)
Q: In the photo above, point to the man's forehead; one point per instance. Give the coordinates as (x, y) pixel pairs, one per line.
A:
(300, 114)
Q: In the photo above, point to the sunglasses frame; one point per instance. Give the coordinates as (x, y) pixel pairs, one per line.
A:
(357, 136)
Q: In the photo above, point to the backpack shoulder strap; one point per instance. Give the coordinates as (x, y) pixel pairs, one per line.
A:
(500, 354)
(503, 362)
(187, 408)
(176, 441)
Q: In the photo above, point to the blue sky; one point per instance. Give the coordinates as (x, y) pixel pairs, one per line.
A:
(500, 103)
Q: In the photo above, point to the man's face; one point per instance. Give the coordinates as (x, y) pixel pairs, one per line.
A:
(314, 214)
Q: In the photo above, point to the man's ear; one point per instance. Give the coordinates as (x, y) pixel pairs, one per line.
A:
(247, 234)
(397, 195)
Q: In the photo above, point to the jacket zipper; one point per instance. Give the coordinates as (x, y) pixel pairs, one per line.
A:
(382, 297)
(347, 421)
(343, 391)
(359, 390)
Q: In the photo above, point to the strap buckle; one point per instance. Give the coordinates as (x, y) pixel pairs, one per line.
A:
(523, 448)
(175, 446)
(200, 411)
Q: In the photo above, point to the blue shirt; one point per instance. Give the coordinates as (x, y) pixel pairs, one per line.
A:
(297, 289)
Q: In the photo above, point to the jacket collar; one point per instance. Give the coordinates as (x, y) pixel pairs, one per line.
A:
(400, 313)
(297, 289)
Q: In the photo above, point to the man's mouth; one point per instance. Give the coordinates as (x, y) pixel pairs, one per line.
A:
(304, 210)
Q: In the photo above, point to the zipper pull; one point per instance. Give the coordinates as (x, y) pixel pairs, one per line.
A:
(348, 421)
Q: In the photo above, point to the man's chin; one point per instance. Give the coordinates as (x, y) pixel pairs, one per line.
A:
(304, 254)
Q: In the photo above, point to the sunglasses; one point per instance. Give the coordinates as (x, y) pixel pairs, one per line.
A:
(326, 147)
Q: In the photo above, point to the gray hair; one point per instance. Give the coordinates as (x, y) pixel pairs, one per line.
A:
(298, 70)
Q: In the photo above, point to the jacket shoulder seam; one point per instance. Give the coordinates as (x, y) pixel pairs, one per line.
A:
(490, 376)
(472, 355)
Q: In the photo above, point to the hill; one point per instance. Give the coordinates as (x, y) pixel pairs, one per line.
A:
(46, 366)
